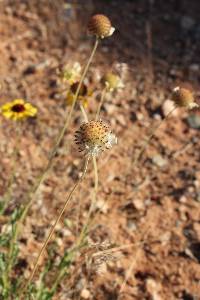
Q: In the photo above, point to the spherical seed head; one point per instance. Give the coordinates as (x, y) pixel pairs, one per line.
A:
(112, 81)
(184, 98)
(94, 137)
(100, 26)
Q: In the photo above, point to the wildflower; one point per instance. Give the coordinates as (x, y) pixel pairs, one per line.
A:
(100, 26)
(112, 81)
(83, 95)
(71, 74)
(184, 98)
(94, 137)
(18, 109)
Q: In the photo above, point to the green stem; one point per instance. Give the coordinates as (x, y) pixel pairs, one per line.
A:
(84, 113)
(24, 290)
(100, 103)
(8, 193)
(8, 196)
(80, 240)
(96, 181)
(42, 177)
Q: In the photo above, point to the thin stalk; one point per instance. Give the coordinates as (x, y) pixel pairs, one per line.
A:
(7, 198)
(54, 227)
(64, 128)
(8, 193)
(84, 113)
(149, 138)
(100, 103)
(61, 273)
(96, 183)
(42, 177)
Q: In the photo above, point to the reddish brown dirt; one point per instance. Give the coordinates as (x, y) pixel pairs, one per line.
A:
(153, 205)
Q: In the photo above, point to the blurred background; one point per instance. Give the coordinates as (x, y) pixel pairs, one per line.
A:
(154, 205)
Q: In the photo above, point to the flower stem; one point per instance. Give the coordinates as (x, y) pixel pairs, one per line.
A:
(63, 130)
(42, 177)
(54, 227)
(100, 103)
(84, 113)
(149, 138)
(8, 193)
(96, 183)
(85, 227)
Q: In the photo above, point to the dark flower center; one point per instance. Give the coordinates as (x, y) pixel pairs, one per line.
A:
(83, 90)
(18, 108)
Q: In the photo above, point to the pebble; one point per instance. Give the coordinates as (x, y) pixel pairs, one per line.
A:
(183, 199)
(159, 161)
(198, 197)
(167, 107)
(153, 289)
(187, 22)
(110, 108)
(194, 68)
(194, 121)
(131, 225)
(121, 119)
(85, 294)
(139, 205)
(102, 206)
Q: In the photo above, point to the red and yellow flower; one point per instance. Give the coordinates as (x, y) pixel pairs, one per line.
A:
(18, 109)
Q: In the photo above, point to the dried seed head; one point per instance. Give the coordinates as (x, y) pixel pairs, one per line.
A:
(112, 81)
(94, 137)
(83, 95)
(100, 26)
(70, 73)
(183, 97)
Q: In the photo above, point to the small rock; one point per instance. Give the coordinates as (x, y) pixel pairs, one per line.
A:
(198, 197)
(121, 119)
(138, 204)
(187, 22)
(110, 108)
(131, 225)
(194, 121)
(183, 199)
(167, 106)
(140, 116)
(85, 294)
(148, 202)
(102, 206)
(153, 288)
(159, 161)
(194, 68)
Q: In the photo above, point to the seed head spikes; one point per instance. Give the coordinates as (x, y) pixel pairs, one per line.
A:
(100, 26)
(183, 97)
(94, 137)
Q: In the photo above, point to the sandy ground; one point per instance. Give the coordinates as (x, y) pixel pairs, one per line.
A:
(153, 205)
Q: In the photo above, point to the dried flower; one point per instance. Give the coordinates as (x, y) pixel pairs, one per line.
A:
(184, 98)
(112, 81)
(100, 26)
(71, 73)
(18, 109)
(83, 95)
(94, 137)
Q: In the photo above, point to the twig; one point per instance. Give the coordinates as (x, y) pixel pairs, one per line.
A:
(54, 227)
